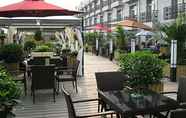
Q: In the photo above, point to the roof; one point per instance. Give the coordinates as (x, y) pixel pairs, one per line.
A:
(43, 21)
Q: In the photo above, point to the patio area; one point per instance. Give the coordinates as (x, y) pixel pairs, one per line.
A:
(46, 108)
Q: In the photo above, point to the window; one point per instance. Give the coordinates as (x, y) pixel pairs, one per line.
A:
(95, 20)
(101, 19)
(133, 11)
(167, 13)
(149, 11)
(105, 2)
(143, 16)
(119, 15)
(109, 17)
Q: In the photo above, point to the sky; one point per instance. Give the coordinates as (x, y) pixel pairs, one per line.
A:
(68, 4)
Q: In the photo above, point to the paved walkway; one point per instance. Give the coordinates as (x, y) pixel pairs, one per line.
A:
(46, 108)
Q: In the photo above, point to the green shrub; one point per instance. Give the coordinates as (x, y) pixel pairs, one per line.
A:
(9, 90)
(42, 48)
(12, 53)
(143, 68)
(29, 45)
(38, 35)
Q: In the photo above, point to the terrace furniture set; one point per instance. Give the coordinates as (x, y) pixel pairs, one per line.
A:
(46, 74)
(114, 97)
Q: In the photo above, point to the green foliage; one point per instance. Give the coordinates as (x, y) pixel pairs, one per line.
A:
(49, 44)
(2, 35)
(90, 38)
(120, 38)
(42, 48)
(53, 38)
(143, 68)
(9, 90)
(177, 31)
(29, 45)
(12, 53)
(74, 53)
(38, 35)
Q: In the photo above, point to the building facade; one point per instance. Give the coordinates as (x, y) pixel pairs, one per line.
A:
(110, 12)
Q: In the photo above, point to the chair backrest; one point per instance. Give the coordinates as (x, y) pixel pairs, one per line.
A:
(70, 106)
(110, 80)
(181, 97)
(58, 62)
(76, 65)
(43, 77)
(37, 61)
(178, 113)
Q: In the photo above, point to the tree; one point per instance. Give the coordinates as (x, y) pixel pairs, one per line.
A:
(120, 38)
(177, 31)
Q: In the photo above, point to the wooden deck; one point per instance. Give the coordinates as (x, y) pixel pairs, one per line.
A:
(46, 108)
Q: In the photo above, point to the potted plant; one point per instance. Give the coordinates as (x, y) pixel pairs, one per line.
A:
(29, 46)
(2, 37)
(38, 35)
(12, 54)
(143, 68)
(9, 94)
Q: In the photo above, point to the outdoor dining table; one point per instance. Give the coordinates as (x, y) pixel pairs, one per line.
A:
(129, 103)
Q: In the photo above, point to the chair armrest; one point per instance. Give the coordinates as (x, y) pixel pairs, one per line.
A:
(64, 67)
(88, 100)
(182, 105)
(97, 114)
(169, 92)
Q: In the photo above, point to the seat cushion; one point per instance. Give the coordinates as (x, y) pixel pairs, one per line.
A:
(65, 78)
(19, 77)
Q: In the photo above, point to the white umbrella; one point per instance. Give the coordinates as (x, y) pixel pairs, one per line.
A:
(145, 33)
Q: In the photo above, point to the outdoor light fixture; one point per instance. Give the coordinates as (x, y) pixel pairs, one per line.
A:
(173, 59)
(38, 22)
(132, 45)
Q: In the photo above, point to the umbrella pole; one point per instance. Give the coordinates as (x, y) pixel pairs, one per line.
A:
(82, 26)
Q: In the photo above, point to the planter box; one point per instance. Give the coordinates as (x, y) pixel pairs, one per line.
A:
(157, 87)
(3, 114)
(181, 70)
(12, 67)
(42, 54)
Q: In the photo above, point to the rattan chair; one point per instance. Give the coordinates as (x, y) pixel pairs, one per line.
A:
(181, 94)
(43, 77)
(181, 113)
(65, 74)
(71, 109)
(109, 81)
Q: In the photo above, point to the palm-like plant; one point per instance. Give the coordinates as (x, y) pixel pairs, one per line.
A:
(177, 31)
(120, 38)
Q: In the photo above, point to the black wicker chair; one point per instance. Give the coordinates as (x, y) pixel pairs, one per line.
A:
(109, 81)
(71, 109)
(43, 77)
(181, 113)
(65, 74)
(20, 76)
(181, 94)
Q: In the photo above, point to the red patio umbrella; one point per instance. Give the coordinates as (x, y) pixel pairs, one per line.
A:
(101, 27)
(34, 8)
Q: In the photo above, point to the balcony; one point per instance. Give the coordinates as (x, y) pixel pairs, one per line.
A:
(116, 3)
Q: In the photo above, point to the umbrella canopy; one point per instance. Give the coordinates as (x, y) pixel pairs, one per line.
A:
(33, 8)
(134, 24)
(145, 33)
(101, 27)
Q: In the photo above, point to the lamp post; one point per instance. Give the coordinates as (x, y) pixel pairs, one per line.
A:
(133, 45)
(173, 60)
